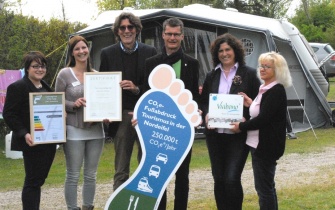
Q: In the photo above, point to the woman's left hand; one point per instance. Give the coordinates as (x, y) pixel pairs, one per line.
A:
(235, 127)
(246, 100)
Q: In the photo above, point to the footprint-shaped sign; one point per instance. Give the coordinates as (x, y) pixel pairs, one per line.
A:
(166, 117)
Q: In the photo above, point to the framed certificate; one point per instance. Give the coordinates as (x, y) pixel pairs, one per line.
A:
(224, 109)
(103, 96)
(47, 117)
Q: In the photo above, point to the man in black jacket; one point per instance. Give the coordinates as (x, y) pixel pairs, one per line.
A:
(128, 56)
(187, 69)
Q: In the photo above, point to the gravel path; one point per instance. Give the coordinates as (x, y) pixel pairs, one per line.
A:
(293, 169)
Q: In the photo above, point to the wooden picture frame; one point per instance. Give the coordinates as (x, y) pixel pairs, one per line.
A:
(47, 117)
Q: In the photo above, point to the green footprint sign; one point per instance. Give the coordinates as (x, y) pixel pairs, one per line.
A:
(166, 117)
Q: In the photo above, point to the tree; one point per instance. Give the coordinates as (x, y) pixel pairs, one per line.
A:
(63, 10)
(316, 20)
(266, 8)
(20, 34)
(104, 5)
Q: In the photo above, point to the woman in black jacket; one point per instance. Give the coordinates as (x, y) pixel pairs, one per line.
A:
(227, 150)
(37, 158)
(266, 130)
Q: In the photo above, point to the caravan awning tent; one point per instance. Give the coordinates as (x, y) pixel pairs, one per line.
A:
(306, 99)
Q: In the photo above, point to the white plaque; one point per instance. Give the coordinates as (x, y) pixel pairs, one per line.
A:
(224, 109)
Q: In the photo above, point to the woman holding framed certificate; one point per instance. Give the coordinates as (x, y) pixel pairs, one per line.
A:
(227, 150)
(85, 140)
(37, 158)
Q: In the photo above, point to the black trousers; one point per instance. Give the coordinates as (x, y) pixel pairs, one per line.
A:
(181, 186)
(37, 165)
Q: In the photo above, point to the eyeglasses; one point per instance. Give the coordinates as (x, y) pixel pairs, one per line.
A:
(177, 35)
(37, 67)
(264, 67)
(129, 27)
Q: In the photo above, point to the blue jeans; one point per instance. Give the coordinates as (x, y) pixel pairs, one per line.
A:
(37, 165)
(77, 153)
(228, 154)
(264, 174)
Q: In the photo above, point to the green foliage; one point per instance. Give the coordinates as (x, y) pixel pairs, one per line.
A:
(331, 94)
(21, 34)
(272, 9)
(323, 14)
(317, 21)
(266, 8)
(312, 32)
(115, 4)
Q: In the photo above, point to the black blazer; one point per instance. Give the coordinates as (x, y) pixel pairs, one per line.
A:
(271, 123)
(16, 112)
(189, 72)
(250, 86)
(111, 60)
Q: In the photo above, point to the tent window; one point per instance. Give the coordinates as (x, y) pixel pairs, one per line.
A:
(248, 46)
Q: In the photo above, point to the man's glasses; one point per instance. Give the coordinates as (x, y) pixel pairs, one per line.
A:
(37, 67)
(129, 27)
(177, 35)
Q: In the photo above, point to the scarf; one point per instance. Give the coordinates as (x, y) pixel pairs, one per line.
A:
(173, 58)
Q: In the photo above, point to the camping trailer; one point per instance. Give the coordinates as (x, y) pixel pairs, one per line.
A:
(307, 102)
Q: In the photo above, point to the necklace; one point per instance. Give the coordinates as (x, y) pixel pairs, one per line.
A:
(38, 86)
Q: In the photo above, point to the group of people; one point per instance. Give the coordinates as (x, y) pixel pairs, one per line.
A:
(262, 131)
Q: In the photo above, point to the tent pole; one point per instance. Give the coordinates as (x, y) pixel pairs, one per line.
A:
(309, 122)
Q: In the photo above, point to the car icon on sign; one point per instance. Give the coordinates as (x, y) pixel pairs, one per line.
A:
(154, 171)
(162, 157)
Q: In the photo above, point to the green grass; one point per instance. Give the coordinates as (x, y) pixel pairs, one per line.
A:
(314, 197)
(331, 94)
(12, 172)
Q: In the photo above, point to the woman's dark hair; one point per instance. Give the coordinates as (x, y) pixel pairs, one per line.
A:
(134, 20)
(233, 42)
(31, 56)
(71, 44)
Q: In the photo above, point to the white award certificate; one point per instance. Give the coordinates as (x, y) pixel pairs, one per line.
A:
(224, 109)
(47, 117)
(103, 96)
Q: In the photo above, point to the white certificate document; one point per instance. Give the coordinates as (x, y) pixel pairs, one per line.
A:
(224, 109)
(103, 96)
